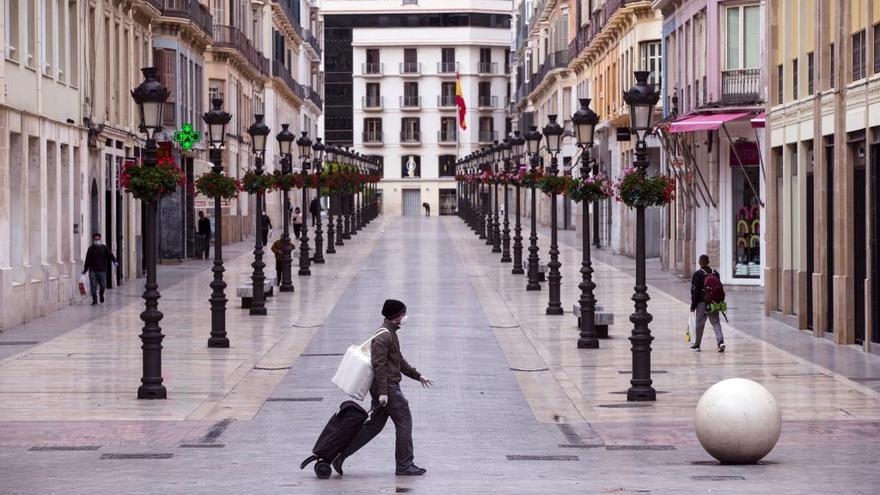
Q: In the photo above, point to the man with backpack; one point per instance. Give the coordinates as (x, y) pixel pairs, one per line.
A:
(707, 300)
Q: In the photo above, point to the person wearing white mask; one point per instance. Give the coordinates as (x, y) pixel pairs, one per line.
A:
(98, 259)
(389, 366)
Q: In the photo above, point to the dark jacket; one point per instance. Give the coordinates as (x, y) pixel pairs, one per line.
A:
(205, 226)
(315, 206)
(97, 258)
(388, 363)
(697, 284)
(267, 222)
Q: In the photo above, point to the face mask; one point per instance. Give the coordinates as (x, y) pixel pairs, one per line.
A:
(96, 242)
(403, 320)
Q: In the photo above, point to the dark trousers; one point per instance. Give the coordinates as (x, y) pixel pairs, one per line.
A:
(265, 237)
(398, 410)
(314, 219)
(98, 282)
(297, 228)
(206, 252)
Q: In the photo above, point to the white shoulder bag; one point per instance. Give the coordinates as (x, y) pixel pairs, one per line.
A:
(355, 373)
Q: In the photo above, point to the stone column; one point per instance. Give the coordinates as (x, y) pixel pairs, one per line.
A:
(770, 220)
(820, 175)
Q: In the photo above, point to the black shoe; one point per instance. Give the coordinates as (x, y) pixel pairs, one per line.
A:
(411, 471)
(721, 347)
(695, 347)
(337, 464)
(102, 298)
(94, 303)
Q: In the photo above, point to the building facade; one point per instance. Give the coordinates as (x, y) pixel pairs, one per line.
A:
(821, 271)
(391, 75)
(711, 137)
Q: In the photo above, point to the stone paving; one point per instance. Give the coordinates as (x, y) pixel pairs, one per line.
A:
(484, 427)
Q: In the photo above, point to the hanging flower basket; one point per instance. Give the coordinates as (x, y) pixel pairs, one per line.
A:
(589, 189)
(487, 177)
(151, 183)
(553, 184)
(252, 183)
(217, 185)
(286, 181)
(532, 178)
(634, 188)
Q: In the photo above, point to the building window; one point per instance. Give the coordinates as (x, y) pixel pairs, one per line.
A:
(373, 66)
(743, 50)
(487, 129)
(651, 59)
(447, 94)
(10, 13)
(61, 29)
(794, 79)
(373, 98)
(447, 165)
(876, 48)
(32, 33)
(410, 94)
(485, 94)
(746, 211)
(47, 35)
(448, 129)
(215, 89)
(831, 68)
(858, 55)
(486, 61)
(409, 130)
(410, 61)
(373, 130)
(811, 73)
(410, 166)
(447, 60)
(73, 21)
(780, 83)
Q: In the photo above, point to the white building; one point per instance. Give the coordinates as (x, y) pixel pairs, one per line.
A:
(391, 72)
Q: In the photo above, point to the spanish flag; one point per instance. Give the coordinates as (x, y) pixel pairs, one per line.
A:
(459, 100)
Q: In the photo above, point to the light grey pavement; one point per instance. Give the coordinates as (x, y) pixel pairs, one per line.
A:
(466, 428)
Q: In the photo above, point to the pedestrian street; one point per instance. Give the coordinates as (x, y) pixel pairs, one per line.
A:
(516, 408)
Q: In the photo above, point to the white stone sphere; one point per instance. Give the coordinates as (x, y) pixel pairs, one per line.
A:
(738, 421)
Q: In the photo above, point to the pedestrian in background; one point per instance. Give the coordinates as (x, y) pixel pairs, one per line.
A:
(706, 292)
(98, 259)
(204, 230)
(389, 366)
(267, 226)
(427, 208)
(315, 209)
(278, 249)
(297, 222)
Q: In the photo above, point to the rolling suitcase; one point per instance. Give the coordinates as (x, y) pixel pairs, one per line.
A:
(340, 430)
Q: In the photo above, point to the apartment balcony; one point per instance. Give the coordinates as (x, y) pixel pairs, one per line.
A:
(230, 37)
(372, 103)
(410, 102)
(281, 72)
(446, 101)
(586, 34)
(372, 137)
(410, 137)
(312, 42)
(410, 68)
(487, 68)
(187, 9)
(487, 137)
(740, 86)
(487, 101)
(314, 97)
(447, 136)
(449, 68)
(372, 69)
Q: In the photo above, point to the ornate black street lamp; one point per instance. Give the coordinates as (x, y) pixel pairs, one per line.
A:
(217, 119)
(150, 98)
(641, 99)
(318, 148)
(330, 155)
(505, 148)
(495, 166)
(305, 148)
(285, 143)
(349, 200)
(258, 131)
(553, 135)
(533, 144)
(340, 232)
(485, 200)
(355, 197)
(585, 120)
(517, 143)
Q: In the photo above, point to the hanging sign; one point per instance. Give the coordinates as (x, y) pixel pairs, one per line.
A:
(186, 137)
(623, 134)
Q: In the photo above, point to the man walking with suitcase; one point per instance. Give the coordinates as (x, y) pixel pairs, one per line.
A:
(707, 295)
(389, 366)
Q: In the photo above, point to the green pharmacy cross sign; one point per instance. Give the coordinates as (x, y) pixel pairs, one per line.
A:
(186, 137)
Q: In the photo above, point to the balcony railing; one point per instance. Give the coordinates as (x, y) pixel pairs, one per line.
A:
(447, 67)
(488, 136)
(231, 37)
(314, 96)
(410, 68)
(374, 137)
(373, 68)
(187, 9)
(587, 33)
(410, 101)
(373, 102)
(312, 41)
(740, 86)
(447, 136)
(487, 101)
(281, 72)
(487, 68)
(446, 101)
(411, 136)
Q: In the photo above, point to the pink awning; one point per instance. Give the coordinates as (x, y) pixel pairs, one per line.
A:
(760, 120)
(708, 122)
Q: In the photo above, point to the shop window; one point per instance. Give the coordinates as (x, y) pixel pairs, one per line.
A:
(746, 211)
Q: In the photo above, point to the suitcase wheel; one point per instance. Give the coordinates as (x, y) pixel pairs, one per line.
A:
(322, 469)
(307, 461)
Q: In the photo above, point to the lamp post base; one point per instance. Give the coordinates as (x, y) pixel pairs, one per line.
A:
(219, 342)
(641, 394)
(588, 344)
(152, 391)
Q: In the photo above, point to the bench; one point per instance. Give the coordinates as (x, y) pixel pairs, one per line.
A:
(542, 270)
(602, 320)
(246, 291)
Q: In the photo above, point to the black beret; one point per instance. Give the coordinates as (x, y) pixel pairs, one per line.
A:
(392, 308)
